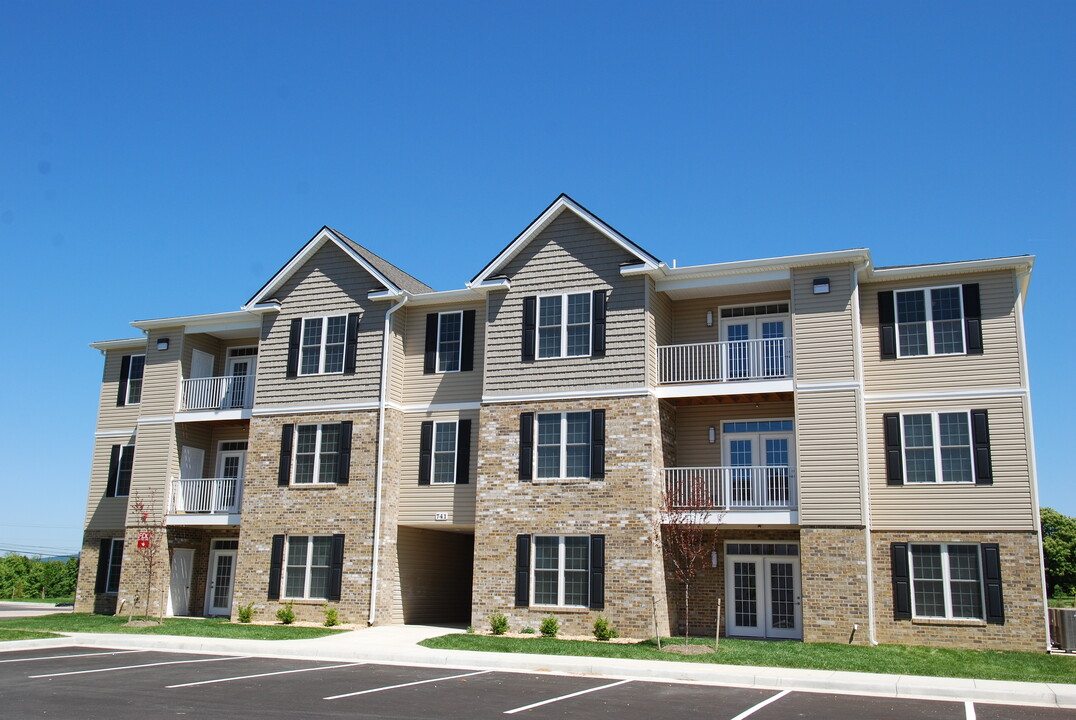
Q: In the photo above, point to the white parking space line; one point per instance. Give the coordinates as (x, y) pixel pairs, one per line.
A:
(564, 697)
(752, 710)
(403, 685)
(61, 657)
(969, 710)
(261, 675)
(134, 667)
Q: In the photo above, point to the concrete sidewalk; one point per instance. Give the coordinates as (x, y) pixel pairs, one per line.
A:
(30, 609)
(397, 645)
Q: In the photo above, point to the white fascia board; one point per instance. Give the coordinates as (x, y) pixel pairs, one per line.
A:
(208, 415)
(739, 267)
(195, 519)
(126, 344)
(740, 387)
(444, 297)
(906, 272)
(536, 227)
(212, 322)
(689, 283)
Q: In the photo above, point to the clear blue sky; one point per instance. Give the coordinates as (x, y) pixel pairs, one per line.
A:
(163, 159)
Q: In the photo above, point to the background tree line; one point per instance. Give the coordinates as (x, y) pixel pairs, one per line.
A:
(1059, 552)
(24, 577)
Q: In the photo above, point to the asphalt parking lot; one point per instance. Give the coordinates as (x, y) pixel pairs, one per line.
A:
(82, 683)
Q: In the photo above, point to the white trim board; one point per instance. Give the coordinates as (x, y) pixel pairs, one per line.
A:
(967, 394)
(740, 387)
(115, 433)
(297, 409)
(567, 395)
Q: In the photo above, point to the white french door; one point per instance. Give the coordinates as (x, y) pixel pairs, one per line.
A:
(218, 594)
(755, 347)
(763, 596)
(240, 371)
(759, 467)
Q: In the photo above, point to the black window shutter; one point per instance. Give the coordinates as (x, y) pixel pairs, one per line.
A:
(995, 606)
(276, 567)
(103, 554)
(283, 477)
(425, 453)
(293, 347)
(343, 465)
(887, 325)
(467, 342)
(894, 466)
(523, 570)
(429, 363)
(336, 567)
(973, 319)
(526, 446)
(980, 438)
(463, 452)
(351, 347)
(902, 581)
(530, 326)
(597, 444)
(597, 572)
(125, 370)
(123, 476)
(597, 329)
(113, 471)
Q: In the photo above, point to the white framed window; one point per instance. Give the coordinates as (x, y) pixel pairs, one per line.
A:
(562, 449)
(115, 564)
(560, 570)
(322, 345)
(443, 457)
(306, 572)
(564, 325)
(124, 471)
(317, 454)
(946, 580)
(937, 447)
(449, 340)
(135, 372)
(930, 321)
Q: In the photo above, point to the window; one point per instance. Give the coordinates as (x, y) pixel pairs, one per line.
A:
(120, 466)
(563, 446)
(135, 369)
(115, 563)
(946, 581)
(323, 345)
(444, 453)
(317, 451)
(449, 341)
(929, 321)
(937, 447)
(306, 574)
(561, 570)
(564, 325)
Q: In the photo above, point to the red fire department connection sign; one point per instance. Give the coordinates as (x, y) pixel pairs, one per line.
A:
(143, 539)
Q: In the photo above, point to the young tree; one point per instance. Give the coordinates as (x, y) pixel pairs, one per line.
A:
(152, 536)
(1059, 551)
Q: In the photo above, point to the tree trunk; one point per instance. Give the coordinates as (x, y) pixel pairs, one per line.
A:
(687, 613)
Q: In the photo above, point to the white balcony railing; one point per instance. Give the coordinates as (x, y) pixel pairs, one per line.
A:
(218, 393)
(765, 487)
(213, 496)
(765, 359)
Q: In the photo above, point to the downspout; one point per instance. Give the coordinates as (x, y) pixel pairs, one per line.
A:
(382, 402)
(1022, 280)
(861, 425)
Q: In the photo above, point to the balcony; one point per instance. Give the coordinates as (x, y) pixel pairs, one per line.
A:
(205, 501)
(738, 494)
(765, 359)
(217, 394)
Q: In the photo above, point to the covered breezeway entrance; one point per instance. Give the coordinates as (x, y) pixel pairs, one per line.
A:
(433, 579)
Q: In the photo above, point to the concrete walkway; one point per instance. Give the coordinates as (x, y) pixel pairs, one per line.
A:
(30, 609)
(396, 644)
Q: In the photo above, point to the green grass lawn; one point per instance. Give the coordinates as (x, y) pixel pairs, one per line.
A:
(6, 635)
(901, 659)
(212, 627)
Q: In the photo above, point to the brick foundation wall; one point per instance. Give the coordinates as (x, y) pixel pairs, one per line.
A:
(833, 579)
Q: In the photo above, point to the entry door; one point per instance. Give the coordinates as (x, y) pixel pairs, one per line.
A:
(179, 586)
(188, 495)
(240, 371)
(231, 464)
(763, 596)
(764, 358)
(759, 469)
(221, 579)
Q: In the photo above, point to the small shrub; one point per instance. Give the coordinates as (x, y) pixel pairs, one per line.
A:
(470, 630)
(549, 627)
(498, 623)
(286, 614)
(332, 617)
(527, 630)
(246, 612)
(603, 629)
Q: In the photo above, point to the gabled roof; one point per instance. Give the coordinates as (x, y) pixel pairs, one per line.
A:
(542, 221)
(392, 277)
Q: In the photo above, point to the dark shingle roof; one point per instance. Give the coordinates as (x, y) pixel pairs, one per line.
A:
(402, 279)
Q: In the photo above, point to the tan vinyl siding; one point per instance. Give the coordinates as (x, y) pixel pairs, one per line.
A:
(207, 344)
(659, 327)
(161, 383)
(397, 334)
(418, 503)
(104, 513)
(153, 467)
(568, 256)
(822, 341)
(693, 423)
(452, 387)
(689, 316)
(433, 582)
(207, 436)
(998, 366)
(828, 451)
(110, 417)
(1005, 505)
(329, 283)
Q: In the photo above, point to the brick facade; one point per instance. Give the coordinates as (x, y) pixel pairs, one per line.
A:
(833, 577)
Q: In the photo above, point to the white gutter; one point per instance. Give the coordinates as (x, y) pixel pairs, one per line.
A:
(382, 402)
(861, 424)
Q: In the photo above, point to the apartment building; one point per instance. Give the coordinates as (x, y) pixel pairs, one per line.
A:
(857, 440)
